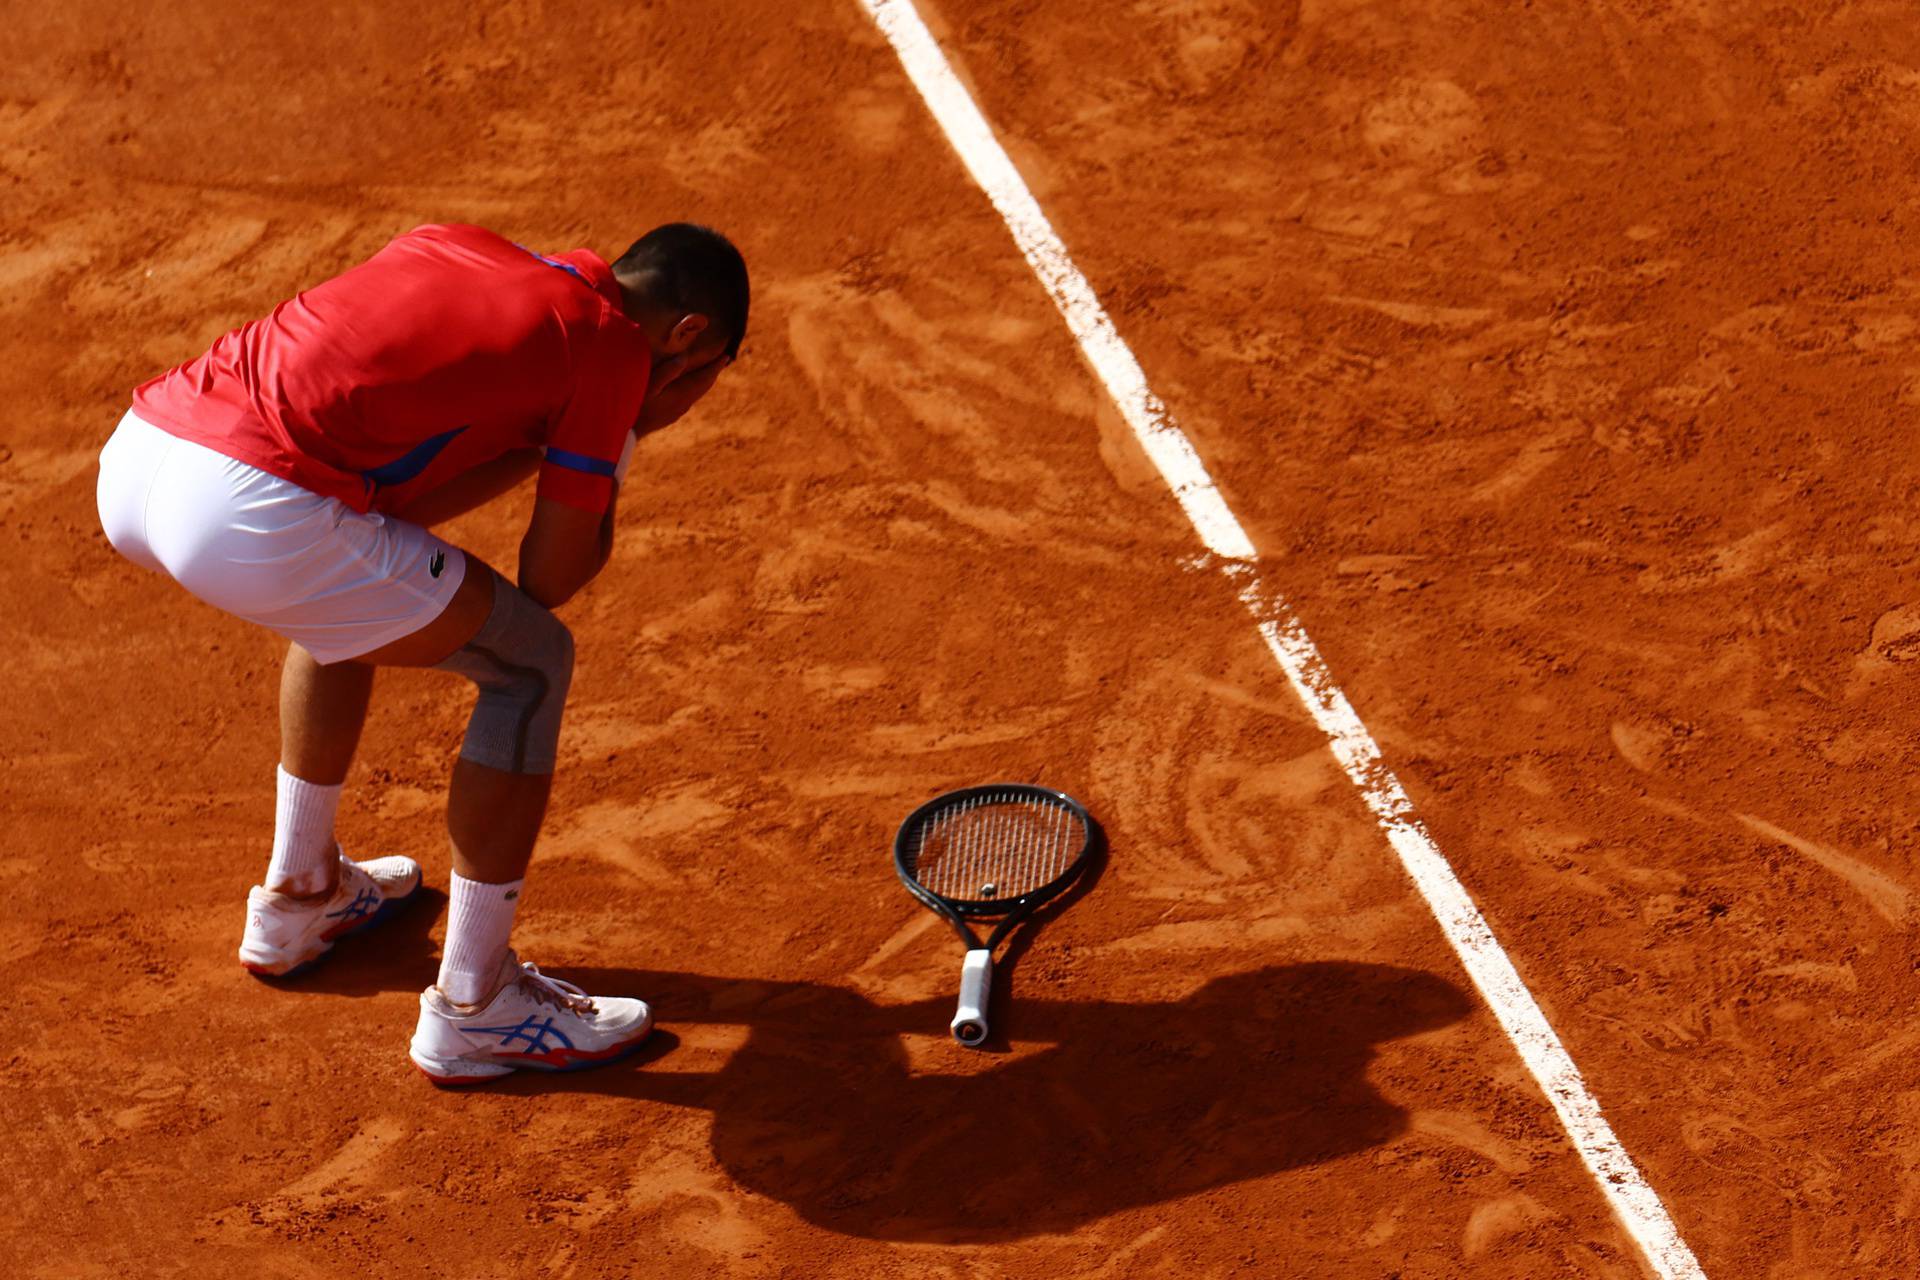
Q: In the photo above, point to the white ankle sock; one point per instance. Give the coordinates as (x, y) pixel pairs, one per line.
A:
(302, 835)
(478, 921)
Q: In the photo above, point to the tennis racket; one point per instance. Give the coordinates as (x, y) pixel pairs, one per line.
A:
(985, 853)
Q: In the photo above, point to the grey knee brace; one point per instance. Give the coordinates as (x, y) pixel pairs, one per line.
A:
(522, 659)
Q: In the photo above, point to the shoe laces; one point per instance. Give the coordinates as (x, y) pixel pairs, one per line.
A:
(548, 989)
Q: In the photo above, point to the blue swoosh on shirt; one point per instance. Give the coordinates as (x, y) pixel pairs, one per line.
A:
(412, 462)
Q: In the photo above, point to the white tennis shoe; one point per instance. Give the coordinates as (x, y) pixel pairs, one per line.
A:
(285, 935)
(533, 1021)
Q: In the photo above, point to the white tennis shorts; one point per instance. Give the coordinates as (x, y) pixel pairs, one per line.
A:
(332, 580)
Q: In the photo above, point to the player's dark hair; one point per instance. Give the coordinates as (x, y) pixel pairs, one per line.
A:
(693, 269)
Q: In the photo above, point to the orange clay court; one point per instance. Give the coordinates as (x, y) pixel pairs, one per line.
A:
(1561, 362)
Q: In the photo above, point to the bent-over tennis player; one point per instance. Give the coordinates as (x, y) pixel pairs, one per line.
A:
(289, 476)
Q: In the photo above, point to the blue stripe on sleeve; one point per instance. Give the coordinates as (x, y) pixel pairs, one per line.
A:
(580, 462)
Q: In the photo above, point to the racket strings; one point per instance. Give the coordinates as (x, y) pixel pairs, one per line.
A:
(996, 846)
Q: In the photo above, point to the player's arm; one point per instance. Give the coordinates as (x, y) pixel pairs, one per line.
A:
(563, 550)
(567, 544)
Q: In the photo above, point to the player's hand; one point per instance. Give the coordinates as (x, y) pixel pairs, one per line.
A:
(676, 386)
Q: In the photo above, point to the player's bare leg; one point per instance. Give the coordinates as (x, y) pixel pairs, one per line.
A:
(493, 816)
(493, 819)
(322, 710)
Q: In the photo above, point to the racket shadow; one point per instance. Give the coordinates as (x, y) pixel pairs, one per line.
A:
(867, 1121)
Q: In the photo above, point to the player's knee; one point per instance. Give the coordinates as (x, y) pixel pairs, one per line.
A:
(522, 660)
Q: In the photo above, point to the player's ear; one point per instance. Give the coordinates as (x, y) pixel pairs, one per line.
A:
(686, 331)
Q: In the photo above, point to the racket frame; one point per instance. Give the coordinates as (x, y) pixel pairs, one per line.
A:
(970, 1019)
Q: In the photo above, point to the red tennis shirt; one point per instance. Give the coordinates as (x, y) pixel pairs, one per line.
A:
(447, 349)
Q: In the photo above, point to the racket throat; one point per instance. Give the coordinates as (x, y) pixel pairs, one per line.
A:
(969, 1024)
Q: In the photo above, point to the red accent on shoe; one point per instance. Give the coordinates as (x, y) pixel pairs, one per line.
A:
(563, 1057)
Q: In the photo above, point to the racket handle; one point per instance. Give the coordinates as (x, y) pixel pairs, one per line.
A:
(976, 977)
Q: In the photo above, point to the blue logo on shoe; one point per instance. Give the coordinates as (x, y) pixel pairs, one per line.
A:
(534, 1034)
(364, 904)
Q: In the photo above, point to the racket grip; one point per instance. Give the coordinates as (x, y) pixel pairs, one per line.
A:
(976, 977)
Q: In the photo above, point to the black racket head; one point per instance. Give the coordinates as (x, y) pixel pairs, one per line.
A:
(988, 851)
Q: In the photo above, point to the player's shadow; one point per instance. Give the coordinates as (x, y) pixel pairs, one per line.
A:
(826, 1107)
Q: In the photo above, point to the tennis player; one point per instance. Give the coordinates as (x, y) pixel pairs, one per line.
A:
(290, 475)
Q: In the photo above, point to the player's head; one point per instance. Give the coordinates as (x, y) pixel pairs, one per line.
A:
(686, 285)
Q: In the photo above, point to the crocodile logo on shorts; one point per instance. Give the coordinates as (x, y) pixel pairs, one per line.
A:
(439, 562)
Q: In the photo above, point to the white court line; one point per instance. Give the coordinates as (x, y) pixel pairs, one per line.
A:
(1640, 1211)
